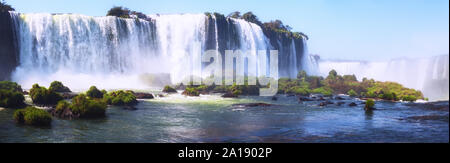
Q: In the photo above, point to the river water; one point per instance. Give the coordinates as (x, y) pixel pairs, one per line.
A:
(210, 118)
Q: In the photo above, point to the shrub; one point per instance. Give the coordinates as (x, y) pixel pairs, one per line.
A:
(324, 91)
(11, 95)
(119, 11)
(4, 7)
(369, 104)
(10, 99)
(352, 93)
(44, 96)
(168, 89)
(120, 98)
(57, 86)
(33, 116)
(85, 107)
(299, 91)
(410, 98)
(93, 92)
(194, 92)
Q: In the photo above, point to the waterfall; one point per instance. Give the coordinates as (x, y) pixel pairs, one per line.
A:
(293, 61)
(309, 63)
(430, 75)
(114, 53)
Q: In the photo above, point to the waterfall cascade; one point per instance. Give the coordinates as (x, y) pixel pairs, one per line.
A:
(430, 75)
(112, 52)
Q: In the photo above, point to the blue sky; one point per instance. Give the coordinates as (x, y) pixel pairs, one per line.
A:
(338, 29)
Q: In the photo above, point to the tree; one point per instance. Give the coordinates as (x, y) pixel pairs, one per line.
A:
(235, 14)
(4, 7)
(250, 17)
(302, 75)
(119, 11)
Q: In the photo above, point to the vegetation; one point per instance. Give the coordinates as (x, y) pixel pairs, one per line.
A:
(93, 92)
(369, 104)
(85, 107)
(120, 98)
(32, 116)
(352, 93)
(191, 92)
(4, 7)
(347, 84)
(11, 95)
(168, 89)
(119, 11)
(44, 96)
(57, 86)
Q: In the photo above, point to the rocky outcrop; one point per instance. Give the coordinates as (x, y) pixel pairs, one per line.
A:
(144, 95)
(252, 105)
(8, 46)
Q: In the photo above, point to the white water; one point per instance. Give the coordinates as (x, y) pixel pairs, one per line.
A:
(430, 75)
(308, 62)
(113, 53)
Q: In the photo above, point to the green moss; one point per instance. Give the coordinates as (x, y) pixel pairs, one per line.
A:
(369, 104)
(120, 98)
(410, 98)
(191, 92)
(57, 86)
(11, 95)
(44, 96)
(93, 92)
(85, 107)
(168, 89)
(32, 116)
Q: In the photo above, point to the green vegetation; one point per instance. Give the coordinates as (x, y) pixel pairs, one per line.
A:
(120, 98)
(93, 92)
(44, 96)
(57, 86)
(352, 93)
(119, 11)
(347, 84)
(4, 7)
(32, 116)
(270, 28)
(11, 95)
(369, 104)
(191, 92)
(85, 107)
(168, 89)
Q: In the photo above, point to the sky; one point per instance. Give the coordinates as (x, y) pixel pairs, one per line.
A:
(338, 29)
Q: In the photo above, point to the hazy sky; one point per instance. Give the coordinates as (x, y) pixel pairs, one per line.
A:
(338, 29)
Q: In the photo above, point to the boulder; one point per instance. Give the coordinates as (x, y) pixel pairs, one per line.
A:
(229, 95)
(352, 104)
(252, 105)
(144, 95)
(274, 98)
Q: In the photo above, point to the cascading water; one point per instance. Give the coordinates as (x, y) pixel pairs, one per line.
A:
(114, 53)
(293, 61)
(308, 63)
(430, 75)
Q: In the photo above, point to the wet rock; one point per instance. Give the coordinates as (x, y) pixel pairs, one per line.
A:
(129, 108)
(229, 95)
(303, 98)
(64, 114)
(352, 104)
(340, 103)
(329, 102)
(252, 105)
(274, 98)
(323, 104)
(429, 117)
(144, 95)
(68, 95)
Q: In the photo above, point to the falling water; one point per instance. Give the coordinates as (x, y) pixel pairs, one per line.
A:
(113, 53)
(430, 75)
